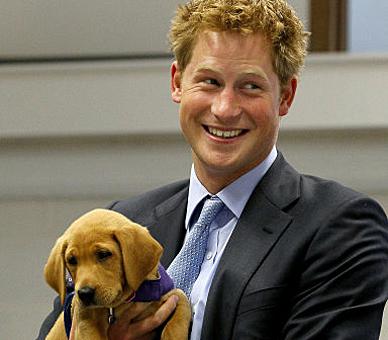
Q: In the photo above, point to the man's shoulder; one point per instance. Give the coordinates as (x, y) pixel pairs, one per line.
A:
(329, 198)
(147, 201)
(329, 190)
(284, 185)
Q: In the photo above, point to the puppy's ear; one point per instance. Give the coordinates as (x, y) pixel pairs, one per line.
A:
(140, 251)
(54, 271)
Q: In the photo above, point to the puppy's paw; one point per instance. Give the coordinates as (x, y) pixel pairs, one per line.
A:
(177, 328)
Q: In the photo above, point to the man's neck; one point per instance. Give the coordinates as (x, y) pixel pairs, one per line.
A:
(214, 180)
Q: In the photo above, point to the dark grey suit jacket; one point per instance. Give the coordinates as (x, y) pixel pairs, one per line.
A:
(308, 259)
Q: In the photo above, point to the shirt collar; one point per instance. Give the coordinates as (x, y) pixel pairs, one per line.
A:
(235, 195)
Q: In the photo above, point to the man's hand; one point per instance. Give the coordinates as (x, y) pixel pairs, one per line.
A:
(144, 329)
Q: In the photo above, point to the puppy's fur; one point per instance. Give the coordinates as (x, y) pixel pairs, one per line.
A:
(112, 256)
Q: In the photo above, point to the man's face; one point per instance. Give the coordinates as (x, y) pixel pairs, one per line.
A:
(230, 104)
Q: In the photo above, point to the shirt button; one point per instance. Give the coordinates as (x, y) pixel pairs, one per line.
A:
(209, 255)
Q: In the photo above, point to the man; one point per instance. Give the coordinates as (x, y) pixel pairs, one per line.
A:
(289, 256)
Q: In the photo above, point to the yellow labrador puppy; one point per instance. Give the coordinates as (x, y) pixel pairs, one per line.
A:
(113, 263)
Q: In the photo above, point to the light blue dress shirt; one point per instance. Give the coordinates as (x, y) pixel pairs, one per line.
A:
(235, 197)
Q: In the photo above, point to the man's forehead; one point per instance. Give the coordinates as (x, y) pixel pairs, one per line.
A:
(217, 51)
(231, 45)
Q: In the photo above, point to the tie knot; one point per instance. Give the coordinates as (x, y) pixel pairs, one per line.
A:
(211, 208)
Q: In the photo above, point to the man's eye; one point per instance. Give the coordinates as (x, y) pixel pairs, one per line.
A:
(72, 260)
(211, 82)
(102, 255)
(251, 86)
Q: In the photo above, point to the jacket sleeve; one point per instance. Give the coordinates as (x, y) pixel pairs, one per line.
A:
(48, 323)
(344, 285)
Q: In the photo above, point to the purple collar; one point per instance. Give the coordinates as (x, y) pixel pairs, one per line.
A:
(153, 290)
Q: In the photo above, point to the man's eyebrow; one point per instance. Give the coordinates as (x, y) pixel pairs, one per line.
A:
(250, 72)
(255, 72)
(204, 68)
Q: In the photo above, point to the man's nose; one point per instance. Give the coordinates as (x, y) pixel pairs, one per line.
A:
(226, 104)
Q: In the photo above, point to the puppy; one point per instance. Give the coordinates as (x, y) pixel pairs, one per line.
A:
(109, 258)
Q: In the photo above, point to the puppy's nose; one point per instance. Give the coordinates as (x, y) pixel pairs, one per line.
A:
(86, 294)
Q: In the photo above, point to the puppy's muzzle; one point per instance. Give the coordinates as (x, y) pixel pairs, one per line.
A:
(86, 295)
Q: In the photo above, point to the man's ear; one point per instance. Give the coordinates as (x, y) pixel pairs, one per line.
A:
(287, 96)
(176, 82)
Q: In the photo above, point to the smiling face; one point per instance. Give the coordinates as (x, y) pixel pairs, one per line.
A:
(230, 104)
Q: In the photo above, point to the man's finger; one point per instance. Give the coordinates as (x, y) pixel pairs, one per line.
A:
(154, 321)
(72, 331)
(143, 329)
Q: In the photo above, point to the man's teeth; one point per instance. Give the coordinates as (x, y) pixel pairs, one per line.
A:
(225, 134)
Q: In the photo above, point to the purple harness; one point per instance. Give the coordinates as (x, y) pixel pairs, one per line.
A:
(151, 290)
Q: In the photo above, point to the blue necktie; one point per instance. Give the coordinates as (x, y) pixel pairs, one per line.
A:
(186, 266)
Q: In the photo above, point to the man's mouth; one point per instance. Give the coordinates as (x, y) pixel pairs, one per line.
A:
(224, 133)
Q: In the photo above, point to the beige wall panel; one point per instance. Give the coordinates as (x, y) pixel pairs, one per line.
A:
(57, 28)
(101, 98)
(340, 91)
(91, 168)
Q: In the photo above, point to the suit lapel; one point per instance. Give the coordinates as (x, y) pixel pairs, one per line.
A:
(260, 226)
(167, 225)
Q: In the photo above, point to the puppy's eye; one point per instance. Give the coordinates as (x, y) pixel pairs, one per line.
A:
(72, 260)
(103, 255)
